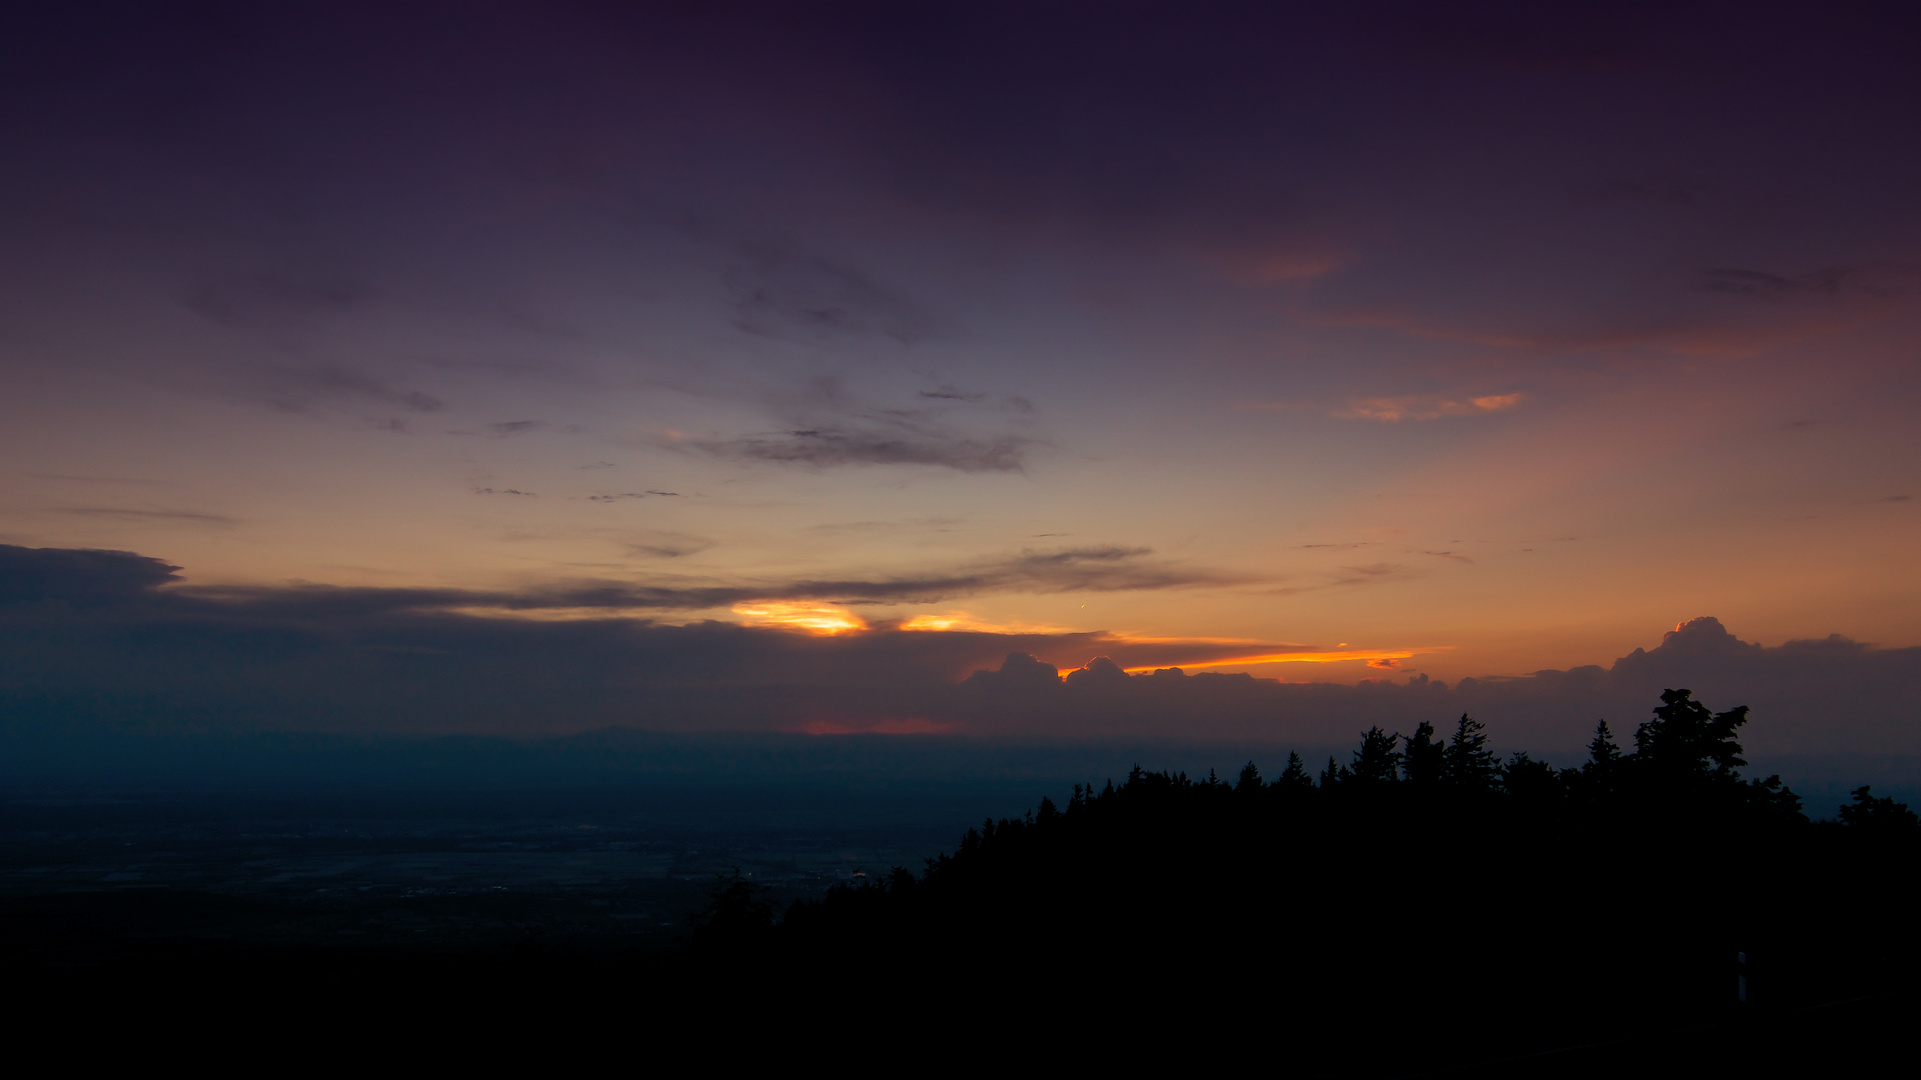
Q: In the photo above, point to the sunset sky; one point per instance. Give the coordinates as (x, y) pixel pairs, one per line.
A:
(1451, 340)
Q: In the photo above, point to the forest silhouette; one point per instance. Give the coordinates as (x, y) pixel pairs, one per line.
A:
(1422, 903)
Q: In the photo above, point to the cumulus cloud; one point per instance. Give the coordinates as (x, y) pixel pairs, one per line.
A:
(1813, 700)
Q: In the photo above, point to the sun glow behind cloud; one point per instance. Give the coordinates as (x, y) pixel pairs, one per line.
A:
(961, 620)
(812, 618)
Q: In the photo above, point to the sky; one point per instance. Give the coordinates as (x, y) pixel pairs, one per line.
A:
(1379, 346)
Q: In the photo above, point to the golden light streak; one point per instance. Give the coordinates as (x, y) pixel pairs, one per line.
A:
(961, 620)
(813, 618)
(1279, 658)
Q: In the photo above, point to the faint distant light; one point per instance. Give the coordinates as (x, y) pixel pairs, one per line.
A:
(813, 618)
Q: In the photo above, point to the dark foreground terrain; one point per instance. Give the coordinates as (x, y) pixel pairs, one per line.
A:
(100, 881)
(1422, 908)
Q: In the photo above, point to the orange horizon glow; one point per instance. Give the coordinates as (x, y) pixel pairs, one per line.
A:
(1281, 658)
(961, 620)
(822, 619)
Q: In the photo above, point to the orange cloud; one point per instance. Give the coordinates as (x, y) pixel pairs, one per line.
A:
(813, 618)
(1373, 658)
(961, 620)
(1392, 410)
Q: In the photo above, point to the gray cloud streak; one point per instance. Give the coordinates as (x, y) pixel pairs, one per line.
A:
(1108, 569)
(1867, 279)
(830, 447)
(184, 517)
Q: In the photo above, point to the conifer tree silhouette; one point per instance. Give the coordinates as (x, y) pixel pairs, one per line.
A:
(1333, 774)
(1425, 758)
(1883, 813)
(1295, 777)
(1603, 755)
(1250, 781)
(1684, 738)
(1528, 780)
(1468, 763)
(1376, 761)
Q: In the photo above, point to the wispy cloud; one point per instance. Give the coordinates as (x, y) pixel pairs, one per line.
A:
(77, 479)
(825, 423)
(830, 447)
(1096, 569)
(668, 545)
(272, 300)
(1393, 410)
(784, 294)
(1869, 279)
(183, 517)
(299, 389)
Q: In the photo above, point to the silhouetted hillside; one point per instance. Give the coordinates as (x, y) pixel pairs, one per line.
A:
(1421, 903)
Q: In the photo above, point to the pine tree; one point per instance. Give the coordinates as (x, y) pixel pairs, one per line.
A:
(1529, 780)
(1376, 760)
(1600, 775)
(1468, 763)
(1869, 812)
(1602, 752)
(1250, 781)
(1684, 738)
(1295, 777)
(1333, 774)
(1426, 759)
